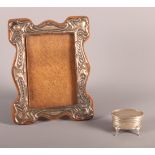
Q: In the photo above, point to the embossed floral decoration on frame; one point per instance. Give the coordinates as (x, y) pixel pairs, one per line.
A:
(18, 29)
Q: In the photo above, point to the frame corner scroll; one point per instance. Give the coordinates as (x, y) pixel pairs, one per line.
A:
(18, 29)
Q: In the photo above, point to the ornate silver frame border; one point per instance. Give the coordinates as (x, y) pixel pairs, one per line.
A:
(18, 29)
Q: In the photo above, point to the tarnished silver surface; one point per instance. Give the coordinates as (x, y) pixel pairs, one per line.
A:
(18, 29)
(127, 119)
